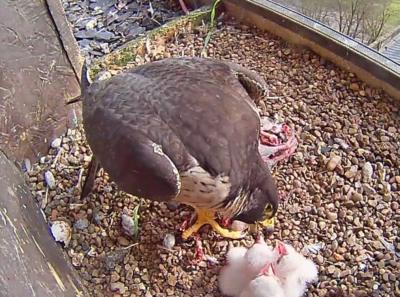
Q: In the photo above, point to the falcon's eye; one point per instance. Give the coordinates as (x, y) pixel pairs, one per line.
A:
(268, 212)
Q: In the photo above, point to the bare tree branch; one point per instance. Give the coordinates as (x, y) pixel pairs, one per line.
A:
(360, 19)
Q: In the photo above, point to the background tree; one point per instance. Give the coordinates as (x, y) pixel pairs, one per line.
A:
(363, 20)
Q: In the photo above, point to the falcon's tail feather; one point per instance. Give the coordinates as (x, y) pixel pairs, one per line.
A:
(87, 187)
(85, 78)
(85, 82)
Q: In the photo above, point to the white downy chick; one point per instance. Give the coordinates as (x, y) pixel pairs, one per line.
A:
(243, 266)
(294, 271)
(264, 285)
(258, 256)
(231, 281)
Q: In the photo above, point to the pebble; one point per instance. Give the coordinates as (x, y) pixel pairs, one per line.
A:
(91, 24)
(56, 143)
(368, 189)
(333, 163)
(114, 258)
(61, 231)
(354, 87)
(352, 172)
(104, 36)
(169, 241)
(50, 180)
(367, 172)
(118, 287)
(331, 269)
(171, 279)
(123, 241)
(81, 224)
(128, 225)
(313, 225)
(98, 217)
(332, 216)
(357, 197)
(27, 165)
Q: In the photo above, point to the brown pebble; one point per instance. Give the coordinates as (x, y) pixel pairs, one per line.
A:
(333, 162)
(354, 87)
(357, 197)
(123, 241)
(54, 214)
(332, 216)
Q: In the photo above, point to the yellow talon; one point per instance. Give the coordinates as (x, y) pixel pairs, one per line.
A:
(208, 217)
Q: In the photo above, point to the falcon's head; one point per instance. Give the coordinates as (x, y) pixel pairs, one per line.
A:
(277, 142)
(261, 204)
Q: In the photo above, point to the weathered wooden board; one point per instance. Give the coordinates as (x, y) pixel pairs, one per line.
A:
(36, 78)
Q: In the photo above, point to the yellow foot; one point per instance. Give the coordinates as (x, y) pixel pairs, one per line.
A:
(208, 217)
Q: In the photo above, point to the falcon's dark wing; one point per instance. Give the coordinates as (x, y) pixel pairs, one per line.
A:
(128, 137)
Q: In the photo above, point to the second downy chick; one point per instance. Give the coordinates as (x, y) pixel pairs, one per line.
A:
(294, 270)
(260, 256)
(266, 284)
(244, 265)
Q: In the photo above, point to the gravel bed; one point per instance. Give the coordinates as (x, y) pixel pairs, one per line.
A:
(100, 26)
(342, 185)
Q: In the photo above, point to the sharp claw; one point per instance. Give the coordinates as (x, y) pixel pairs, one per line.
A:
(269, 224)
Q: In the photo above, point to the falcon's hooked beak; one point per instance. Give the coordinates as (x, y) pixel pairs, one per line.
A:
(268, 220)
